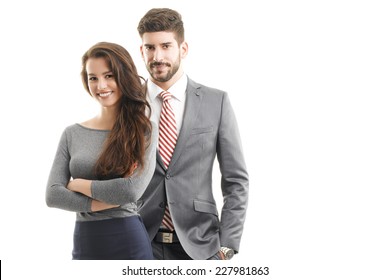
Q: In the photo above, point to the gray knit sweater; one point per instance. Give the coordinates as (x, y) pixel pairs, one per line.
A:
(77, 153)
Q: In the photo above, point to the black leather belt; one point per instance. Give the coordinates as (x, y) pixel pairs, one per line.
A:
(166, 237)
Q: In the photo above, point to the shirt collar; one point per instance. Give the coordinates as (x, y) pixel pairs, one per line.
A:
(177, 90)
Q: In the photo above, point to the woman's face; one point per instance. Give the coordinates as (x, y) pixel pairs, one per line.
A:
(101, 82)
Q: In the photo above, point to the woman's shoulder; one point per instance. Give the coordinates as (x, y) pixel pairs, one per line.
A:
(75, 127)
(72, 127)
(80, 129)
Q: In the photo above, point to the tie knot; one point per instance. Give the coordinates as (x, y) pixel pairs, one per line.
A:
(165, 95)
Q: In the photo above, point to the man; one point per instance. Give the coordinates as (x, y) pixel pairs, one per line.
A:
(196, 123)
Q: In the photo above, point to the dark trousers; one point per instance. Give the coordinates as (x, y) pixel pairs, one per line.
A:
(113, 239)
(169, 251)
(174, 251)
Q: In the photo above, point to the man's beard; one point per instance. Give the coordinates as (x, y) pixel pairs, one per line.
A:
(171, 71)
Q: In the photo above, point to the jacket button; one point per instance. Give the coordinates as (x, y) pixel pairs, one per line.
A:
(162, 205)
(168, 176)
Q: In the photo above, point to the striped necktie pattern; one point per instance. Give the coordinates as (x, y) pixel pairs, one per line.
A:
(167, 143)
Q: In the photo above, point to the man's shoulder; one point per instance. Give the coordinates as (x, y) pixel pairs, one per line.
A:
(207, 90)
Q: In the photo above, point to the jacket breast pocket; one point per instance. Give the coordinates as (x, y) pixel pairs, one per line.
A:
(201, 130)
(202, 139)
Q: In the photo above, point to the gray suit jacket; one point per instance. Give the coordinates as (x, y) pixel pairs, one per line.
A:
(209, 129)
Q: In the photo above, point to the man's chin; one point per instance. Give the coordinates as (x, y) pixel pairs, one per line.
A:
(161, 78)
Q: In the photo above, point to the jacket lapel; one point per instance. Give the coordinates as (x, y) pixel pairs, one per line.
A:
(191, 111)
(159, 159)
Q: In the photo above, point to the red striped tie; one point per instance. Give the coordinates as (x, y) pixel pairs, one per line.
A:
(167, 142)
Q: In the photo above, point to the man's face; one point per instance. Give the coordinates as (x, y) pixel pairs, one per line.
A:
(162, 55)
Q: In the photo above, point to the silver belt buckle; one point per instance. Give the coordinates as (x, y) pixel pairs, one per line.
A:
(167, 237)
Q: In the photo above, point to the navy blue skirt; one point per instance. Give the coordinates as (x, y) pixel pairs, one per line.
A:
(113, 239)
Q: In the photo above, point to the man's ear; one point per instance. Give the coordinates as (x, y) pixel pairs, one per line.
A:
(183, 49)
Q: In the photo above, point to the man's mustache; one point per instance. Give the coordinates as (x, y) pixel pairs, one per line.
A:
(157, 63)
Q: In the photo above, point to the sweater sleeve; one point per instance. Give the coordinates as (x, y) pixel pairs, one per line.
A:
(121, 191)
(57, 195)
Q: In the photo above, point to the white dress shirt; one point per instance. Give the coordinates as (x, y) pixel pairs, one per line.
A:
(178, 91)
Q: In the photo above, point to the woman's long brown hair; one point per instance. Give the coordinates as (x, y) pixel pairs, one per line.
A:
(125, 146)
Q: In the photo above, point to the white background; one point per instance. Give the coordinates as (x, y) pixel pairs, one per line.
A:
(309, 82)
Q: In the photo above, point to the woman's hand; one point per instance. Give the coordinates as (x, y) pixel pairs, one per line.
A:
(132, 169)
(84, 186)
(99, 206)
(80, 185)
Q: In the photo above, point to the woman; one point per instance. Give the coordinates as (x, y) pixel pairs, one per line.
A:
(103, 165)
